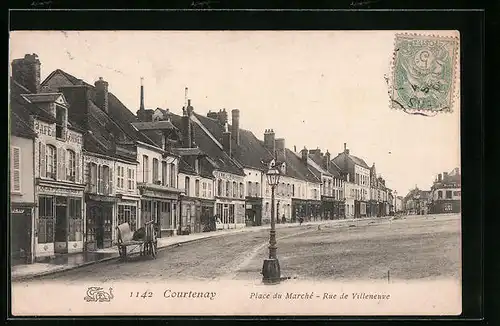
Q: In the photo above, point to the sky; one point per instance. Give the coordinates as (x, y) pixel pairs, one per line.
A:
(316, 89)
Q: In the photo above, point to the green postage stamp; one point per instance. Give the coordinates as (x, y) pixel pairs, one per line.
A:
(424, 73)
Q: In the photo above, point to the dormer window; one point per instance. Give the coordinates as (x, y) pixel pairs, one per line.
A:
(60, 119)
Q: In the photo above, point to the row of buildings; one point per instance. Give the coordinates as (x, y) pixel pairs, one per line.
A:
(83, 163)
(444, 196)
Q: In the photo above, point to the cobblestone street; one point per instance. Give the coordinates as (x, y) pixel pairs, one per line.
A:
(414, 247)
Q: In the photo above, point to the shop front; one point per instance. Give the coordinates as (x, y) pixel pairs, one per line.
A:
(127, 211)
(299, 209)
(60, 222)
(21, 232)
(328, 208)
(161, 206)
(99, 224)
(190, 215)
(207, 215)
(230, 214)
(253, 211)
(359, 209)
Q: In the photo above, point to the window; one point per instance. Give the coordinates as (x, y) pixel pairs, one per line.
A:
(130, 179)
(173, 176)
(235, 189)
(293, 190)
(197, 188)
(440, 194)
(456, 193)
(75, 221)
(219, 187)
(257, 189)
(164, 180)
(121, 176)
(45, 219)
(51, 162)
(71, 166)
(288, 190)
(156, 177)
(249, 189)
(145, 168)
(127, 214)
(204, 189)
(231, 213)
(93, 177)
(60, 113)
(242, 191)
(448, 207)
(448, 194)
(106, 180)
(186, 186)
(210, 189)
(15, 169)
(228, 188)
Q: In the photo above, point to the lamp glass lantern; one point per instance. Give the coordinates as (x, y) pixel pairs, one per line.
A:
(273, 177)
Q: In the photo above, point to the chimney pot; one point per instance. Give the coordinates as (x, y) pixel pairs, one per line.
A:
(26, 71)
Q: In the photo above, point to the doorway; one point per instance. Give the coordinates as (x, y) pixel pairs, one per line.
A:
(99, 226)
(20, 235)
(61, 229)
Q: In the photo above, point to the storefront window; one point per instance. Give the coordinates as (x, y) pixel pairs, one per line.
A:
(45, 219)
(231, 213)
(75, 220)
(127, 214)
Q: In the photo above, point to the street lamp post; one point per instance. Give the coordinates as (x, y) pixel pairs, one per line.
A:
(271, 273)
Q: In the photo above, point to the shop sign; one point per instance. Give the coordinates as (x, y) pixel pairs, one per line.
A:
(227, 176)
(17, 211)
(44, 129)
(249, 206)
(59, 191)
(74, 137)
(158, 194)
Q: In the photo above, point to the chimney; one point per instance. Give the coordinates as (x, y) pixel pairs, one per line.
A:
(280, 149)
(327, 159)
(304, 155)
(294, 149)
(186, 129)
(189, 109)
(269, 141)
(226, 140)
(212, 115)
(141, 106)
(222, 116)
(26, 71)
(346, 166)
(101, 96)
(445, 176)
(235, 126)
(440, 177)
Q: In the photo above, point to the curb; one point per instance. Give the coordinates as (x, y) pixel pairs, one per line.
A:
(65, 269)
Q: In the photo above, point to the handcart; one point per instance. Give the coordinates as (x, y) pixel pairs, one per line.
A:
(148, 245)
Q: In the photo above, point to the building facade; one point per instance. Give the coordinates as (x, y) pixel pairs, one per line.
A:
(446, 193)
(357, 172)
(22, 188)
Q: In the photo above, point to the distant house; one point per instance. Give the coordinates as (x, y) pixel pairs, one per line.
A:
(446, 194)
(416, 202)
(357, 172)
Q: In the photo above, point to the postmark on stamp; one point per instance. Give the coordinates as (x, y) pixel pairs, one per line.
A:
(424, 73)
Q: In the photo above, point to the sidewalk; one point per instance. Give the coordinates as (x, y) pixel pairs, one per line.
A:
(71, 261)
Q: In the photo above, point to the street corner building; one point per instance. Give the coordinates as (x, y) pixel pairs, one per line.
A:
(446, 194)
(82, 163)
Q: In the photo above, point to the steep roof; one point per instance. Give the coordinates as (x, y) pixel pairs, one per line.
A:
(218, 159)
(19, 128)
(43, 98)
(356, 160)
(250, 153)
(296, 168)
(25, 109)
(118, 115)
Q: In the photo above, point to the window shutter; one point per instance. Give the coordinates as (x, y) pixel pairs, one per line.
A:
(16, 169)
(110, 176)
(43, 164)
(78, 164)
(60, 164)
